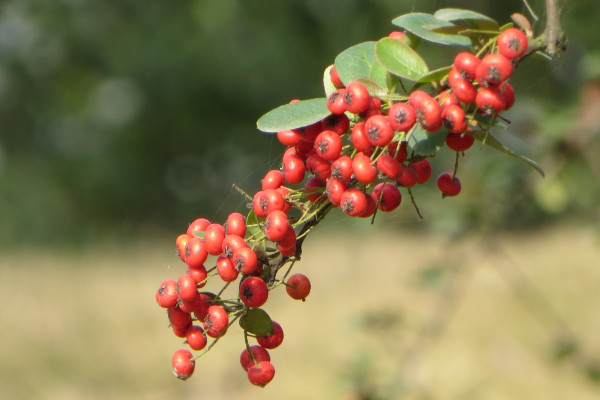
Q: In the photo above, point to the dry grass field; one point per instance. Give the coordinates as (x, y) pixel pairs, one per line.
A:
(390, 316)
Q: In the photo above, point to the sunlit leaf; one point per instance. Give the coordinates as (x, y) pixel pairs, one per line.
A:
(328, 86)
(466, 18)
(257, 321)
(436, 75)
(359, 62)
(293, 115)
(400, 60)
(424, 26)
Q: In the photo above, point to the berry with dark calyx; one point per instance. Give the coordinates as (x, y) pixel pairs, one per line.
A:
(253, 291)
(336, 102)
(166, 295)
(402, 116)
(453, 118)
(328, 145)
(245, 260)
(341, 168)
(216, 319)
(274, 339)
(387, 196)
(464, 90)
(459, 141)
(180, 243)
(429, 114)
(195, 252)
(407, 176)
(318, 166)
(512, 43)
(298, 286)
(357, 98)
(294, 169)
(261, 374)
(334, 189)
(196, 338)
(423, 170)
(276, 225)
(337, 123)
(178, 317)
(449, 185)
(231, 243)
(493, 70)
(363, 169)
(260, 354)
(183, 364)
(353, 202)
(378, 130)
(466, 64)
(490, 101)
(267, 201)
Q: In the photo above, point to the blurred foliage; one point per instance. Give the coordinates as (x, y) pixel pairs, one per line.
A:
(129, 115)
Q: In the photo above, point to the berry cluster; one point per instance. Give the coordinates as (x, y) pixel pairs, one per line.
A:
(356, 159)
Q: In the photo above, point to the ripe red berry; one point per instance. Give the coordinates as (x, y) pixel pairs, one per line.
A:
(289, 239)
(387, 196)
(388, 166)
(261, 374)
(196, 338)
(335, 78)
(199, 225)
(453, 118)
(318, 166)
(448, 185)
(342, 168)
(253, 291)
(314, 189)
(245, 260)
(180, 243)
(464, 90)
(195, 252)
(459, 141)
(407, 176)
(213, 238)
(490, 101)
(199, 275)
(186, 287)
(337, 123)
(508, 94)
(378, 130)
(226, 269)
(274, 339)
(183, 364)
(448, 98)
(276, 225)
(374, 108)
(267, 201)
(396, 35)
(305, 148)
(423, 170)
(357, 98)
(236, 222)
(353, 202)
(336, 102)
(289, 137)
(512, 43)
(231, 243)
(328, 145)
(298, 286)
(402, 116)
(272, 180)
(364, 171)
(216, 319)
(178, 317)
(359, 139)
(399, 152)
(416, 96)
(370, 208)
(294, 169)
(429, 114)
(493, 70)
(260, 354)
(466, 63)
(334, 189)
(166, 295)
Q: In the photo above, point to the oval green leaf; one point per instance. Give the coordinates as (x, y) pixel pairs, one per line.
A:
(328, 86)
(425, 26)
(293, 115)
(436, 75)
(400, 60)
(359, 62)
(428, 143)
(486, 138)
(257, 321)
(466, 18)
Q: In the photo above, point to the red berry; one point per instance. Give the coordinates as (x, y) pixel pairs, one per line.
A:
(216, 319)
(398, 152)
(253, 291)
(402, 117)
(416, 96)
(353, 202)
(186, 287)
(196, 338)
(464, 91)
(387, 196)
(226, 269)
(213, 238)
(328, 145)
(359, 138)
(448, 98)
(357, 98)
(378, 130)
(448, 185)
(423, 170)
(337, 123)
(272, 180)
(236, 222)
(289, 239)
(370, 207)
(490, 101)
(335, 78)
(289, 137)
(231, 243)
(298, 286)
(276, 225)
(314, 189)
(274, 339)
(336, 102)
(183, 364)
(364, 171)
(199, 225)
(508, 94)
(267, 201)
(199, 275)
(512, 43)
(342, 168)
(407, 176)
(294, 169)
(334, 189)
(429, 114)
(459, 141)
(260, 354)
(493, 70)
(245, 260)
(318, 166)
(195, 252)
(166, 295)
(466, 63)
(180, 243)
(261, 374)
(453, 118)
(178, 317)
(388, 166)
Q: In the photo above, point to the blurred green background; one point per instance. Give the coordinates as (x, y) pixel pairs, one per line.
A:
(122, 121)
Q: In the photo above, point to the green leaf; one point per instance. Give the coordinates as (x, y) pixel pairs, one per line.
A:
(487, 138)
(400, 60)
(293, 115)
(257, 321)
(466, 18)
(253, 228)
(424, 26)
(374, 88)
(359, 62)
(327, 84)
(436, 75)
(427, 143)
